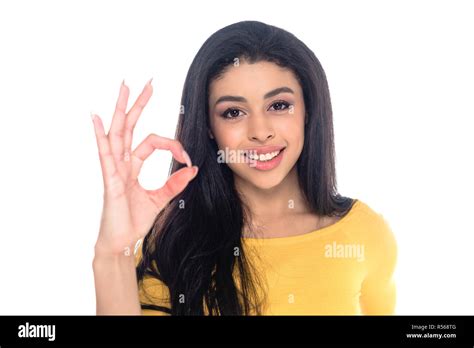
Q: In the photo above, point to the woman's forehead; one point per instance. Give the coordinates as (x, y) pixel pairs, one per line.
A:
(254, 80)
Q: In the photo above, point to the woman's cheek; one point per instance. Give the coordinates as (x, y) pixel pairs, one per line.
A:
(231, 137)
(293, 134)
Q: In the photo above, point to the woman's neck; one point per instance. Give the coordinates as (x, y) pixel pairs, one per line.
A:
(267, 205)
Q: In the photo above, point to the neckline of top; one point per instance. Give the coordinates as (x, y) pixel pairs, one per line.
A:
(314, 233)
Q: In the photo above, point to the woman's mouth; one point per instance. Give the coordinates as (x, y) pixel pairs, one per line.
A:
(265, 161)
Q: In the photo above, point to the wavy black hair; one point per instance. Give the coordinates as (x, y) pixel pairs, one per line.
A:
(193, 250)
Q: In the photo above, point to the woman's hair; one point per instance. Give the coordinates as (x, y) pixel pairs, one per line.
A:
(192, 244)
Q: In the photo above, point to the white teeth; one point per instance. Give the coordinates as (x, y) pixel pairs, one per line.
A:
(264, 157)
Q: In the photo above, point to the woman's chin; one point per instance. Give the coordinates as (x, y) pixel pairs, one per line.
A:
(266, 181)
(267, 185)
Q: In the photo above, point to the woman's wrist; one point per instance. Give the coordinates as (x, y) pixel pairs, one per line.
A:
(105, 251)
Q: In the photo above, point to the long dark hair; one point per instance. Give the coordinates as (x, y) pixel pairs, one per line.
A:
(192, 245)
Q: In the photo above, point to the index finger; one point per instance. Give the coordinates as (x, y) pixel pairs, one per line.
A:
(152, 142)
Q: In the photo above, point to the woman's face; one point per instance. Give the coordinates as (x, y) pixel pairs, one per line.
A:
(258, 108)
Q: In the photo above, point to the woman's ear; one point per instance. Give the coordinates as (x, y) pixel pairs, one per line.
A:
(210, 133)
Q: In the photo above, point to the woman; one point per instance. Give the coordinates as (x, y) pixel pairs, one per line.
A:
(259, 228)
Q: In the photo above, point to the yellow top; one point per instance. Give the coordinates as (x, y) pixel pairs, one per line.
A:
(342, 269)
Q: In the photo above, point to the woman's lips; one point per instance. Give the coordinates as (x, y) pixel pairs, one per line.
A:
(264, 149)
(267, 165)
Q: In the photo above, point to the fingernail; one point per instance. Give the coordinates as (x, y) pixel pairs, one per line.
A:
(187, 159)
(123, 83)
(149, 82)
(92, 116)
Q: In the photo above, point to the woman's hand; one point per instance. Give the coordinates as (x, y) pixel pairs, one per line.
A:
(128, 209)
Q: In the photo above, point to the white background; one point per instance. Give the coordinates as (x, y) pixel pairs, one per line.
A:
(401, 79)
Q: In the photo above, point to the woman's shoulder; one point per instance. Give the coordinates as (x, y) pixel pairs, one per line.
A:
(369, 218)
(374, 230)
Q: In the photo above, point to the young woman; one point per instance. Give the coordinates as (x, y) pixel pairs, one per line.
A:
(259, 228)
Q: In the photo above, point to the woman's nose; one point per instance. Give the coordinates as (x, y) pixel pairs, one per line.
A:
(260, 128)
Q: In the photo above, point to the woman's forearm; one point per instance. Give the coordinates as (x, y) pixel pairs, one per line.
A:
(116, 285)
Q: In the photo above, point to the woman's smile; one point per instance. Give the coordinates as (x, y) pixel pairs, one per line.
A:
(265, 158)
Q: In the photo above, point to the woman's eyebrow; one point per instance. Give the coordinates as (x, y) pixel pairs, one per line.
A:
(270, 94)
(278, 91)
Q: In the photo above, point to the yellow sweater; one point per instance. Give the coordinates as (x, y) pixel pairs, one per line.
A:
(342, 269)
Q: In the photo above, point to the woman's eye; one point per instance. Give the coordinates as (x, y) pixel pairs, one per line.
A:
(231, 113)
(280, 105)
